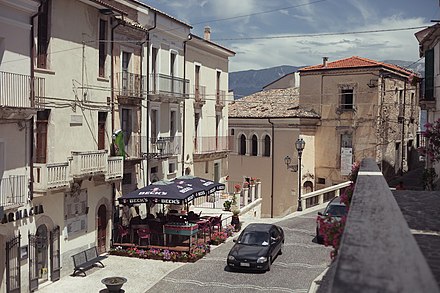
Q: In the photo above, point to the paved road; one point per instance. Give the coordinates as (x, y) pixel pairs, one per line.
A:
(293, 271)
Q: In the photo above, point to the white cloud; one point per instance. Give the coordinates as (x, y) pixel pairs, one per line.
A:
(310, 50)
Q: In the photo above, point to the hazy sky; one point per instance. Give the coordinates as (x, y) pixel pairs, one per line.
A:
(299, 17)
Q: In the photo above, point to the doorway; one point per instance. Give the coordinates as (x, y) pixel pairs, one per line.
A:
(102, 228)
(42, 254)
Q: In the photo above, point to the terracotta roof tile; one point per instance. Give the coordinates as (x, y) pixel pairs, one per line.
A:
(275, 103)
(355, 62)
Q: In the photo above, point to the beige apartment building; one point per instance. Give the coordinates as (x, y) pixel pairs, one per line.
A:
(344, 110)
(206, 110)
(263, 130)
(74, 75)
(368, 109)
(429, 41)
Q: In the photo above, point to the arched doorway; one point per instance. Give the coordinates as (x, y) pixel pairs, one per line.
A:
(42, 253)
(308, 186)
(102, 228)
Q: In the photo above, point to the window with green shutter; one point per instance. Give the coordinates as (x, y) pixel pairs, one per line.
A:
(429, 74)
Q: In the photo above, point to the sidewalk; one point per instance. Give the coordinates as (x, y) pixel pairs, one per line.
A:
(141, 274)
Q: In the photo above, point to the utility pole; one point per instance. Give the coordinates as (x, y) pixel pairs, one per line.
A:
(403, 129)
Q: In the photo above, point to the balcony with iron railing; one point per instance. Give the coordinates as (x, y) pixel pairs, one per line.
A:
(16, 90)
(211, 144)
(220, 100)
(199, 95)
(131, 85)
(162, 84)
(13, 190)
(162, 146)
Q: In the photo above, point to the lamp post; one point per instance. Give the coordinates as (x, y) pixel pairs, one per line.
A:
(299, 144)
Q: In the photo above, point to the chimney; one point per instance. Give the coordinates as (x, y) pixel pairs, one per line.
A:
(324, 61)
(207, 35)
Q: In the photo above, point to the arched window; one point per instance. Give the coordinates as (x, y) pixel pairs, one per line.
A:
(254, 145)
(266, 151)
(242, 148)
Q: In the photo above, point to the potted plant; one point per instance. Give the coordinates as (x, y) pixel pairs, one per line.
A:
(227, 205)
(237, 187)
(114, 284)
(235, 220)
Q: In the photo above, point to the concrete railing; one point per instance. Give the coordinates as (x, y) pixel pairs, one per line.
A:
(322, 195)
(51, 176)
(378, 253)
(88, 163)
(115, 168)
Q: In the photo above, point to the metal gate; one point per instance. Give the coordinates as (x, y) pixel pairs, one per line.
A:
(55, 254)
(33, 268)
(13, 268)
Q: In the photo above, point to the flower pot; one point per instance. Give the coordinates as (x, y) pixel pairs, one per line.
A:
(114, 284)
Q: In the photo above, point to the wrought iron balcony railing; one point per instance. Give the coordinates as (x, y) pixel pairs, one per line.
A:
(200, 94)
(13, 190)
(16, 90)
(211, 144)
(161, 147)
(168, 85)
(220, 99)
(131, 84)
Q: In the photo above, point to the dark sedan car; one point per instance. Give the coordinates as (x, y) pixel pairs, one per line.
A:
(336, 209)
(256, 247)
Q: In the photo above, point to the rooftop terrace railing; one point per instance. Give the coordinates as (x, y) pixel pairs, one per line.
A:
(378, 253)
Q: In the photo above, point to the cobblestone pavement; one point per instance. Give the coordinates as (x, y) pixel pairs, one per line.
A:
(421, 211)
(293, 271)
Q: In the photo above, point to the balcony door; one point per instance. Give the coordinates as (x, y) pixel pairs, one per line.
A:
(126, 125)
(126, 56)
(102, 117)
(102, 228)
(197, 83)
(41, 136)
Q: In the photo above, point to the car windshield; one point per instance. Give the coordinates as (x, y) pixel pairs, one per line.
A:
(336, 210)
(254, 238)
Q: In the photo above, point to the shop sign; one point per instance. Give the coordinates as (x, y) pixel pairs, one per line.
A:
(22, 214)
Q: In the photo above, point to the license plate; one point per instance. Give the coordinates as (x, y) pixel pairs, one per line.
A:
(245, 264)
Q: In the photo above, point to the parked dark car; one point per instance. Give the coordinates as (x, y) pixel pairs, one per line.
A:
(336, 209)
(256, 247)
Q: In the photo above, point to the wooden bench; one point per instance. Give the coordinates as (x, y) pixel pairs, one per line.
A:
(86, 259)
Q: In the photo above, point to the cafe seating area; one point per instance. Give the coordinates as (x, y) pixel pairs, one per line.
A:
(176, 230)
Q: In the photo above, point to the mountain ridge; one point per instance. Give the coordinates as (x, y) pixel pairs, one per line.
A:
(246, 82)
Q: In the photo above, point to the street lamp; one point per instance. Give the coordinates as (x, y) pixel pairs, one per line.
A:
(287, 161)
(299, 144)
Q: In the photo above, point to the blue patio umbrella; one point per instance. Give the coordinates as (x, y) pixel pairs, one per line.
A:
(209, 186)
(164, 192)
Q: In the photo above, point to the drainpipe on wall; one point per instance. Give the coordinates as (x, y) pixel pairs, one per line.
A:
(148, 100)
(31, 140)
(273, 163)
(184, 102)
(112, 72)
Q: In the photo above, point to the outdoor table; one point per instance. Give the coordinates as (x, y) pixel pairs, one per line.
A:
(182, 229)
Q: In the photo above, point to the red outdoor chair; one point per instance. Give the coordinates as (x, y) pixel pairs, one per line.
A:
(216, 223)
(204, 227)
(143, 233)
(122, 232)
